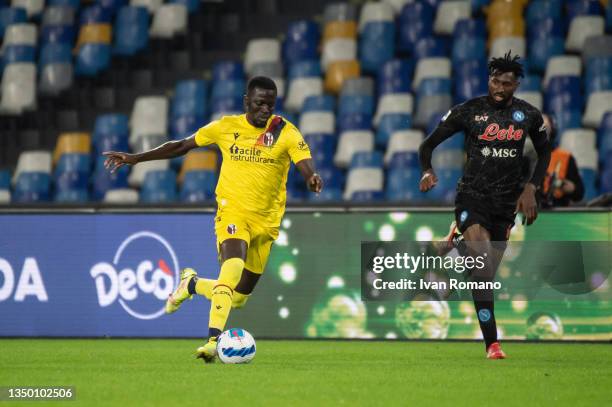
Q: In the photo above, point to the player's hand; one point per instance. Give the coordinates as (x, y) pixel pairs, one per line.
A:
(315, 183)
(527, 204)
(428, 180)
(115, 160)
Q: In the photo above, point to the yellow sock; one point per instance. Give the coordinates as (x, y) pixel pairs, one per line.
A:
(204, 286)
(223, 292)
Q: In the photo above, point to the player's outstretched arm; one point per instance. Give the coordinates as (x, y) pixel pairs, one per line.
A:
(314, 183)
(115, 160)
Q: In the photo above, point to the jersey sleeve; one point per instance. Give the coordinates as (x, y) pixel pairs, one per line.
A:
(454, 119)
(208, 134)
(296, 146)
(538, 131)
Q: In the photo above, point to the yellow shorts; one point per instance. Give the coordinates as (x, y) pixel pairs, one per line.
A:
(259, 238)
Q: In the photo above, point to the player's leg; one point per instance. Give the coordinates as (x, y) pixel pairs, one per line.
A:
(248, 280)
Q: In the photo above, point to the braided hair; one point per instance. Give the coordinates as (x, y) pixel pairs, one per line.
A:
(507, 63)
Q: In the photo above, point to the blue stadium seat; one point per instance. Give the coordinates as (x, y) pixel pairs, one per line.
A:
(415, 22)
(55, 54)
(68, 180)
(541, 49)
(104, 180)
(72, 3)
(390, 123)
(456, 141)
(444, 192)
(325, 147)
(367, 196)
(332, 176)
(230, 88)
(356, 104)
(434, 86)
(226, 104)
(131, 30)
(395, 76)
(429, 47)
(189, 98)
(111, 123)
(18, 53)
(228, 70)
(289, 116)
(110, 142)
(606, 181)
(305, 69)
(192, 5)
(32, 187)
(328, 194)
(403, 185)
(530, 83)
(158, 187)
(76, 196)
(567, 119)
(354, 121)
(5, 179)
(467, 48)
(184, 126)
(92, 59)
(365, 159)
(588, 179)
(598, 75)
(376, 45)
(73, 163)
(540, 10)
(604, 135)
(11, 15)
(563, 93)
(64, 34)
(112, 5)
(470, 87)
(609, 18)
(583, 7)
(198, 186)
(470, 28)
(319, 103)
(301, 41)
(546, 28)
(405, 160)
(95, 14)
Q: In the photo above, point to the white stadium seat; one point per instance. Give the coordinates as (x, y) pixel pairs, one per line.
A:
(151, 5)
(582, 27)
(562, 65)
(533, 98)
(139, 171)
(363, 179)
(261, 50)
(352, 142)
(448, 158)
(393, 103)
(449, 12)
(169, 20)
(375, 12)
(403, 141)
(397, 5)
(437, 67)
(318, 122)
(578, 139)
(20, 34)
(150, 116)
(502, 45)
(32, 7)
(5, 196)
(597, 105)
(33, 161)
(18, 88)
(300, 89)
(121, 196)
(338, 49)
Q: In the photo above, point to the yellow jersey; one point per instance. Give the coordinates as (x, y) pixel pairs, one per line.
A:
(255, 164)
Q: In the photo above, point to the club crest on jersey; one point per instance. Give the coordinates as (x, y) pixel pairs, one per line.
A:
(493, 132)
(481, 118)
(463, 217)
(518, 116)
(231, 229)
(484, 315)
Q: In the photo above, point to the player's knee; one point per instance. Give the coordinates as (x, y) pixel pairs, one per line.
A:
(239, 300)
(231, 270)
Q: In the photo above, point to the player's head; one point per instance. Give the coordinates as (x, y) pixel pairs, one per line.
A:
(504, 74)
(259, 100)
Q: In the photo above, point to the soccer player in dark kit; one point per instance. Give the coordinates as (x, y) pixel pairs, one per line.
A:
(489, 194)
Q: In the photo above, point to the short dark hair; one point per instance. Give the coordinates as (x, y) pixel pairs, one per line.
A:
(261, 82)
(507, 63)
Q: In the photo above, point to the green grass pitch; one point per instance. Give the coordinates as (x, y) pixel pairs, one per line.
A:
(319, 373)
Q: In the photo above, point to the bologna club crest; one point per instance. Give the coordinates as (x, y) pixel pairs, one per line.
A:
(231, 229)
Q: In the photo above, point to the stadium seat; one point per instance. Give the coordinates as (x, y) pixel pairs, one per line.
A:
(72, 143)
(338, 49)
(121, 196)
(338, 72)
(448, 159)
(158, 187)
(567, 119)
(32, 187)
(404, 141)
(300, 89)
(58, 15)
(140, 170)
(415, 21)
(103, 180)
(393, 103)
(564, 93)
(33, 8)
(328, 194)
(356, 104)
(189, 98)
(465, 49)
(501, 45)
(430, 47)
(339, 30)
(228, 70)
(94, 34)
(18, 88)
(583, 7)
(431, 68)
(394, 76)
(582, 27)
(92, 59)
(32, 161)
(185, 125)
(10, 16)
(261, 50)
(354, 121)
(390, 123)
(20, 34)
(597, 46)
(430, 105)
(169, 20)
(301, 41)
(64, 34)
(501, 10)
(111, 123)
(317, 122)
(18, 53)
(350, 143)
(95, 14)
(319, 103)
(360, 86)
(325, 147)
(367, 159)
(371, 12)
(198, 186)
(433, 86)
(71, 3)
(598, 76)
(507, 28)
(533, 98)
(563, 65)
(403, 184)
(198, 160)
(578, 139)
(339, 12)
(149, 117)
(131, 30)
(150, 5)
(598, 103)
(447, 15)
(541, 50)
(72, 196)
(469, 28)
(540, 10)
(363, 179)
(229, 88)
(530, 83)
(376, 45)
(272, 69)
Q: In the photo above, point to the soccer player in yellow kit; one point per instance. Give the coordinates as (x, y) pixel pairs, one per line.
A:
(257, 148)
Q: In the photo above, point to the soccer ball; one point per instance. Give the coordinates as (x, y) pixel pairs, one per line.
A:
(236, 346)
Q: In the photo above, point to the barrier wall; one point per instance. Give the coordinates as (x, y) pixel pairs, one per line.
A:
(108, 274)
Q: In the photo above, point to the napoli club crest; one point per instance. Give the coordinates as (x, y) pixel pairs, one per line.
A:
(231, 229)
(518, 116)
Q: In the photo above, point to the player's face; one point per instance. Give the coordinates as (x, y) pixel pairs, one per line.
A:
(259, 105)
(502, 86)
